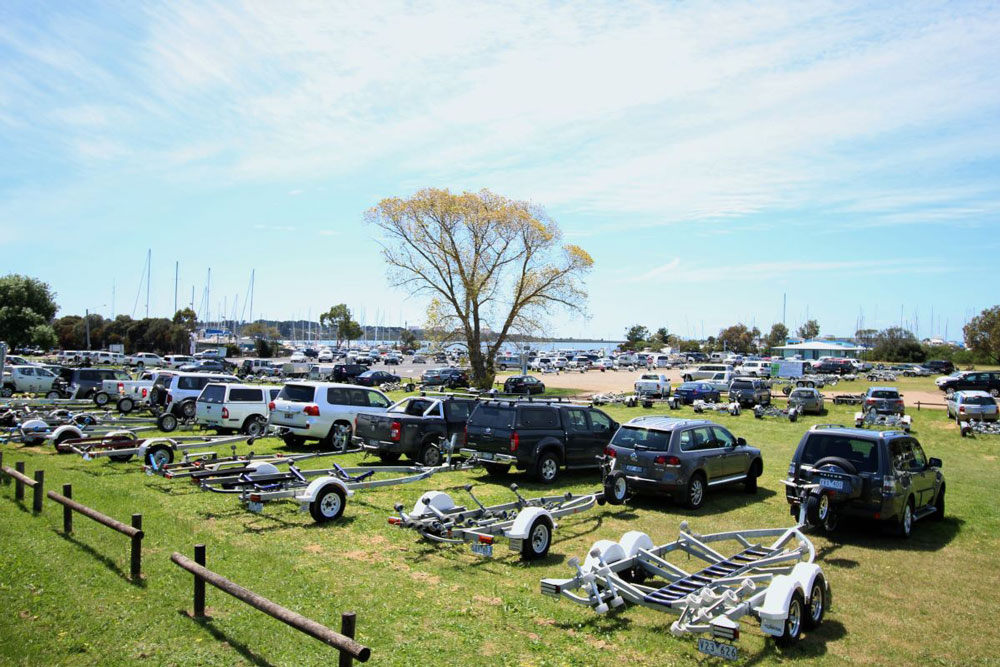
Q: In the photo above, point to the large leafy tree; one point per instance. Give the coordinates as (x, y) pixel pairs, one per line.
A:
(897, 344)
(982, 334)
(187, 318)
(339, 316)
(738, 338)
(25, 303)
(494, 265)
(809, 330)
(777, 336)
(635, 337)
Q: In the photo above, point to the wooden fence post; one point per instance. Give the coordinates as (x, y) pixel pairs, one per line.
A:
(199, 583)
(348, 621)
(36, 506)
(137, 548)
(67, 510)
(18, 484)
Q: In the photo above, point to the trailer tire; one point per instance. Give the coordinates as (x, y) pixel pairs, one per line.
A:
(389, 457)
(125, 405)
(63, 437)
(293, 440)
(328, 505)
(120, 458)
(496, 469)
(159, 455)
(616, 488)
(815, 612)
(166, 422)
(793, 624)
(101, 399)
(536, 545)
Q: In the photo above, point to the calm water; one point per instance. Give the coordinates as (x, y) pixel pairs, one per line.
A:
(511, 347)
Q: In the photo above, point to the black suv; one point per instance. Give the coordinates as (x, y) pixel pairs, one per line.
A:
(988, 381)
(840, 472)
(445, 377)
(940, 366)
(346, 373)
(749, 391)
(537, 436)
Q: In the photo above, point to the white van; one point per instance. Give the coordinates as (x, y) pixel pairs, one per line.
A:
(235, 407)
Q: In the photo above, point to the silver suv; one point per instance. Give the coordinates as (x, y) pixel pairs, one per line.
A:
(678, 457)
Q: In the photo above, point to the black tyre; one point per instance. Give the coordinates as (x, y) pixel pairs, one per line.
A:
(101, 399)
(750, 483)
(167, 422)
(139, 366)
(430, 455)
(255, 426)
(939, 506)
(536, 545)
(687, 378)
(53, 394)
(547, 468)
(793, 624)
(63, 437)
(616, 488)
(188, 409)
(389, 457)
(293, 440)
(6, 391)
(816, 609)
(328, 505)
(339, 436)
(125, 405)
(159, 455)
(694, 493)
(120, 458)
(994, 392)
(496, 469)
(903, 527)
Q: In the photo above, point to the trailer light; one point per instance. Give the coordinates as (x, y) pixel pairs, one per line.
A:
(311, 410)
(486, 539)
(270, 406)
(255, 497)
(515, 442)
(608, 451)
(395, 520)
(168, 475)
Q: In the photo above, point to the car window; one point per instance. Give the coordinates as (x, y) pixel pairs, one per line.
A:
(723, 438)
(377, 400)
(917, 461)
(539, 418)
(337, 396)
(213, 393)
(457, 410)
(273, 393)
(577, 420)
(630, 436)
(245, 395)
(357, 397)
(863, 454)
(697, 438)
(492, 416)
(297, 393)
(89, 376)
(191, 383)
(901, 454)
(600, 422)
(27, 372)
(884, 394)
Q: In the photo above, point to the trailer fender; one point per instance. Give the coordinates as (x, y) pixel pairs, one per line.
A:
(777, 599)
(805, 574)
(64, 432)
(633, 541)
(439, 500)
(149, 444)
(526, 517)
(313, 490)
(610, 551)
(35, 431)
(263, 467)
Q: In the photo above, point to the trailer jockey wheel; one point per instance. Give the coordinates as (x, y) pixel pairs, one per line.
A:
(328, 505)
(616, 489)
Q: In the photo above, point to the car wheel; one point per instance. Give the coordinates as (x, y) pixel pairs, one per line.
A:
(949, 392)
(939, 506)
(904, 524)
(536, 545)
(994, 392)
(694, 493)
(816, 608)
(547, 468)
(255, 426)
(496, 469)
(793, 623)
(616, 488)
(750, 484)
(188, 409)
(166, 422)
(328, 505)
(101, 399)
(6, 392)
(139, 366)
(430, 455)
(53, 394)
(687, 378)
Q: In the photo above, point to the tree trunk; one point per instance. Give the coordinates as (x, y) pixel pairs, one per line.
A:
(482, 373)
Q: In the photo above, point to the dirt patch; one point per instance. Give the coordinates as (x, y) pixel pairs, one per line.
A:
(487, 600)
(313, 549)
(425, 577)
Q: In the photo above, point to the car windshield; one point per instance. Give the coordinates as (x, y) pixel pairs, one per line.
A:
(885, 394)
(689, 386)
(297, 393)
(742, 384)
(863, 454)
(629, 437)
(978, 400)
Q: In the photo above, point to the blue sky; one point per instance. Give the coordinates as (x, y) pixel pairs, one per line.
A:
(710, 156)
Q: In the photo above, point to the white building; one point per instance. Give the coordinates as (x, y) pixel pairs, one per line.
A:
(815, 349)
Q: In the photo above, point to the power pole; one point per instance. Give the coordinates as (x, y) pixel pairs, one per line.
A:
(177, 266)
(149, 271)
(86, 319)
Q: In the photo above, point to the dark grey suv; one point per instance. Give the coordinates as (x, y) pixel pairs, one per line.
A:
(678, 457)
(749, 391)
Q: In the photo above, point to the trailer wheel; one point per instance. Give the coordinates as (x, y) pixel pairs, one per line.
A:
(120, 458)
(63, 437)
(159, 455)
(616, 488)
(53, 394)
(539, 538)
(496, 469)
(293, 440)
(101, 399)
(793, 624)
(166, 422)
(817, 604)
(328, 505)
(125, 405)
(389, 457)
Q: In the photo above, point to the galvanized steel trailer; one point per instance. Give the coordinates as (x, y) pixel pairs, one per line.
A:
(527, 523)
(121, 446)
(776, 583)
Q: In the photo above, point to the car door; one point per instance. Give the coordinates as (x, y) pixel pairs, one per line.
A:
(711, 454)
(923, 478)
(580, 438)
(735, 460)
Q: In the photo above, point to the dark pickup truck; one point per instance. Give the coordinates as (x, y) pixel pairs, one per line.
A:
(416, 426)
(538, 436)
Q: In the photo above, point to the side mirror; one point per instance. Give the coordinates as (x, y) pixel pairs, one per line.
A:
(935, 463)
(741, 442)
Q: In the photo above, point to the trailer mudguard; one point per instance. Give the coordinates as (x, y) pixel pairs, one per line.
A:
(610, 551)
(263, 468)
(522, 523)
(317, 485)
(805, 574)
(73, 431)
(439, 500)
(777, 599)
(633, 541)
(148, 444)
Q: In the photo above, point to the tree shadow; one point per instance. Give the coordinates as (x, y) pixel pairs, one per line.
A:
(220, 636)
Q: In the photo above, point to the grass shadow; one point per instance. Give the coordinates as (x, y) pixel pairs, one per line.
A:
(812, 645)
(927, 535)
(220, 636)
(104, 560)
(718, 499)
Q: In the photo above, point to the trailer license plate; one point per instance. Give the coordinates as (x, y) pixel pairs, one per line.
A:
(255, 507)
(827, 483)
(718, 649)
(486, 456)
(482, 549)
(633, 468)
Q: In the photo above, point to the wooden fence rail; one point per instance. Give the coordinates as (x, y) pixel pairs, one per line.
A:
(21, 480)
(342, 641)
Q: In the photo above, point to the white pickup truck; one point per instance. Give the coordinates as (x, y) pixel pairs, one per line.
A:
(125, 394)
(653, 384)
(30, 380)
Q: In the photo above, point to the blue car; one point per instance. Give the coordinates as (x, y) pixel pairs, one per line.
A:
(689, 392)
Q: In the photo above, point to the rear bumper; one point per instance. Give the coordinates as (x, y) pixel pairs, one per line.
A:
(497, 457)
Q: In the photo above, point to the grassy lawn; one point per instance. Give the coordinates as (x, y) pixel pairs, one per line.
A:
(67, 600)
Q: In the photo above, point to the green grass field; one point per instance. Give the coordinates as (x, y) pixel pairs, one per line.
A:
(68, 601)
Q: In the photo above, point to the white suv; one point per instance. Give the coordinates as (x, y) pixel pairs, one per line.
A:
(235, 407)
(754, 369)
(181, 392)
(175, 361)
(707, 371)
(323, 411)
(144, 359)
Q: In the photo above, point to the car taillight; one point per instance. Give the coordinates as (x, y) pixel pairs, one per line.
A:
(395, 431)
(225, 413)
(311, 410)
(121, 388)
(610, 452)
(170, 397)
(144, 392)
(270, 406)
(888, 484)
(667, 461)
(515, 441)
(870, 401)
(961, 409)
